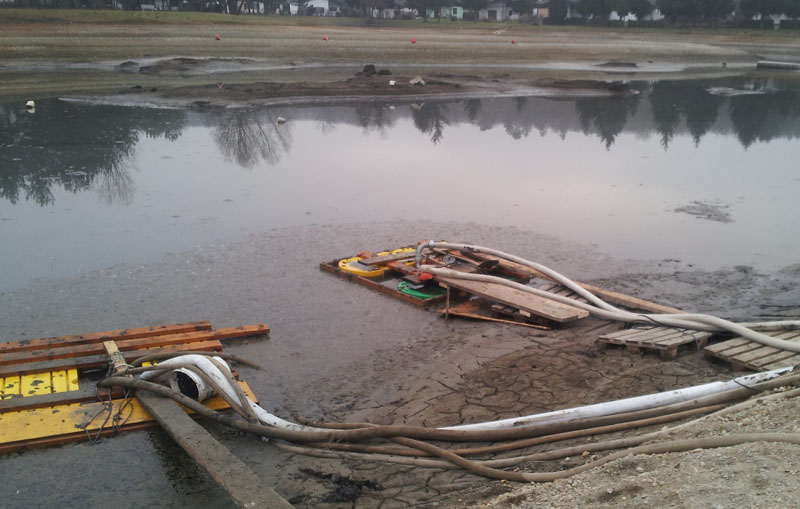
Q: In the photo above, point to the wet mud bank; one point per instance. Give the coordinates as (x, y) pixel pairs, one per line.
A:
(339, 352)
(365, 86)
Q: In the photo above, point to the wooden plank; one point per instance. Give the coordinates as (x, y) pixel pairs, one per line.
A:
(759, 351)
(97, 361)
(791, 361)
(741, 352)
(726, 345)
(518, 299)
(559, 289)
(383, 260)
(236, 478)
(746, 350)
(99, 337)
(638, 334)
(56, 399)
(699, 338)
(403, 268)
(628, 301)
(515, 270)
(116, 358)
(776, 358)
(61, 424)
(471, 309)
(608, 295)
(127, 345)
(654, 341)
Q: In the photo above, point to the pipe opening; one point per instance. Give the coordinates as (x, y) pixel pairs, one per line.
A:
(187, 386)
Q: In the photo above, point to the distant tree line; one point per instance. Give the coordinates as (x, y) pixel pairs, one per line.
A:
(692, 12)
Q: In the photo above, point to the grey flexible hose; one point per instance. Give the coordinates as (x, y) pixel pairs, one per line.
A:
(693, 321)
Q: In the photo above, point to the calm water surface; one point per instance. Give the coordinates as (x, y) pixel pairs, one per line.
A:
(681, 170)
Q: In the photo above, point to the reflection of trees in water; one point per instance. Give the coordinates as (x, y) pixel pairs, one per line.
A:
(519, 124)
(673, 101)
(765, 117)
(245, 136)
(76, 147)
(761, 117)
(472, 107)
(667, 106)
(374, 118)
(701, 110)
(431, 118)
(607, 116)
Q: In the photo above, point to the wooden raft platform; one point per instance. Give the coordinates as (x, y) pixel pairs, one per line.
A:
(47, 397)
(666, 341)
(742, 353)
(481, 300)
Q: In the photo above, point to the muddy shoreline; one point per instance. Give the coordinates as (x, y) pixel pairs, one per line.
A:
(339, 352)
(57, 60)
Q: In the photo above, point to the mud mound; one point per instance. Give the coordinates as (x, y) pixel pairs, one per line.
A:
(183, 66)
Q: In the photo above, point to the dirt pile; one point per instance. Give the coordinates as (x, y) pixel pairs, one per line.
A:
(759, 475)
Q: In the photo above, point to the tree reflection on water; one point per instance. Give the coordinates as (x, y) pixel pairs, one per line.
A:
(77, 148)
(246, 136)
(431, 119)
(81, 147)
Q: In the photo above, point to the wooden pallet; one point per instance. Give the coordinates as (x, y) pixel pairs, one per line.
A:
(39, 379)
(742, 353)
(666, 341)
(559, 289)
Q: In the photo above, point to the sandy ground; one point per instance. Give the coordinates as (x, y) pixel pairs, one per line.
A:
(337, 351)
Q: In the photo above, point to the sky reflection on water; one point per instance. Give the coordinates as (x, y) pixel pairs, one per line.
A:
(673, 172)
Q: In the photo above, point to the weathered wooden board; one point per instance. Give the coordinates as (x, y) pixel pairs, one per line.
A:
(558, 289)
(383, 260)
(530, 303)
(236, 478)
(56, 398)
(471, 309)
(665, 340)
(64, 423)
(742, 353)
(99, 337)
(608, 295)
(126, 344)
(97, 361)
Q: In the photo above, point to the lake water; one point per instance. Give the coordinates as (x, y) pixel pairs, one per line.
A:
(705, 172)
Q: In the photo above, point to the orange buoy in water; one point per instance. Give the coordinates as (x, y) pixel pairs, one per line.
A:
(218, 37)
(324, 37)
(414, 40)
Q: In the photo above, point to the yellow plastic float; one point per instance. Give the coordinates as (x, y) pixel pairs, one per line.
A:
(352, 265)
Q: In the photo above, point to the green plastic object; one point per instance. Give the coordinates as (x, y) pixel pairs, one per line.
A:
(427, 293)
